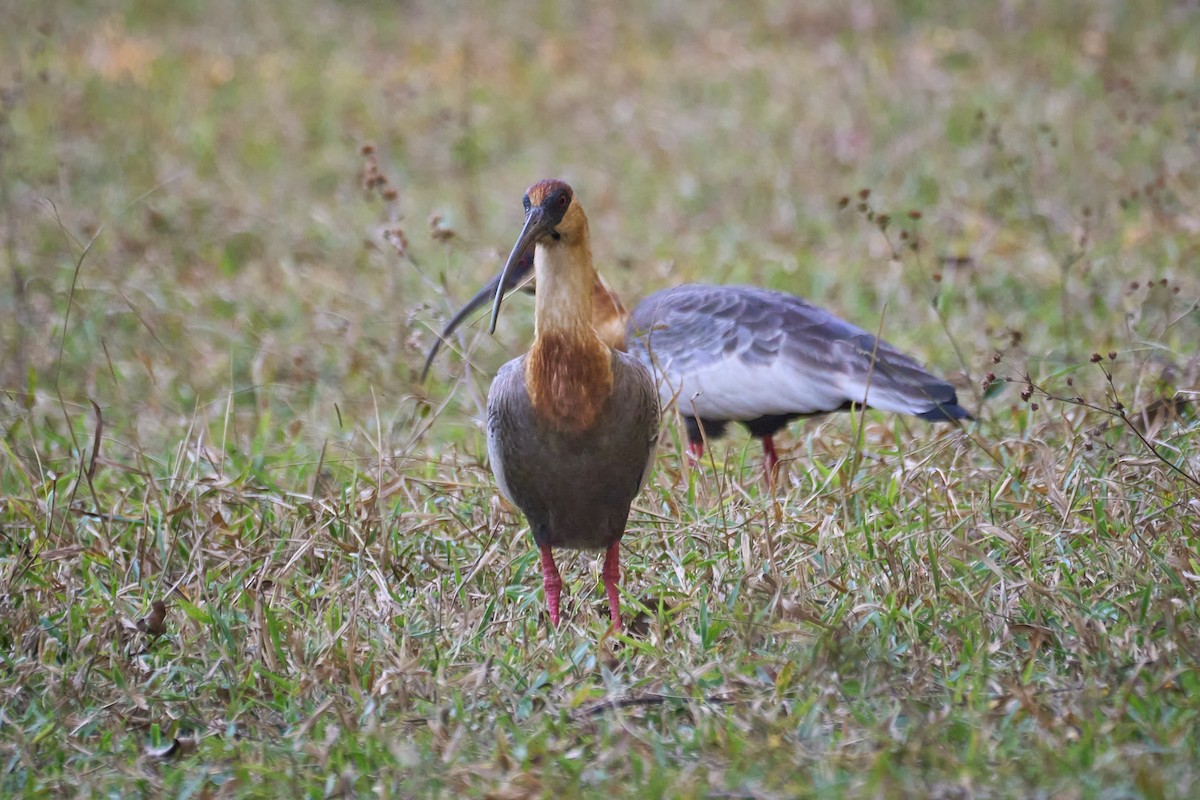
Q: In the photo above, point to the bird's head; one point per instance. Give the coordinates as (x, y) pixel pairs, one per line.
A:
(553, 217)
(552, 213)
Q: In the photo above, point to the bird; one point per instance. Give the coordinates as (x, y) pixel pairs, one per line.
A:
(758, 357)
(764, 358)
(572, 425)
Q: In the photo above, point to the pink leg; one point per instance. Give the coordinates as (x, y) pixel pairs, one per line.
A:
(612, 576)
(551, 582)
(696, 451)
(771, 457)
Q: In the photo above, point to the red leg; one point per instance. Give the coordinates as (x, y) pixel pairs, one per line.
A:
(612, 576)
(771, 457)
(551, 582)
(696, 451)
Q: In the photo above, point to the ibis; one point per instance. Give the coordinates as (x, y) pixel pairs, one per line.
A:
(744, 354)
(572, 424)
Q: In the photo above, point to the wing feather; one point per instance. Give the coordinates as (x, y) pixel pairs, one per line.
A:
(740, 352)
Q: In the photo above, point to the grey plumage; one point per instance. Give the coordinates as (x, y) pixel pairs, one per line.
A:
(574, 488)
(751, 355)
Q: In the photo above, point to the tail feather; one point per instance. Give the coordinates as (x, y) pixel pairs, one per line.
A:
(945, 412)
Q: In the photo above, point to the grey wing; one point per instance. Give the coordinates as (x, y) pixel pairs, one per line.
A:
(682, 333)
(638, 414)
(508, 409)
(738, 352)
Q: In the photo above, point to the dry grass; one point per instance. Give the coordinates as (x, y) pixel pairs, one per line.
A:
(207, 396)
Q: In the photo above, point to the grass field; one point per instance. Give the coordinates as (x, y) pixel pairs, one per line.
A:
(212, 316)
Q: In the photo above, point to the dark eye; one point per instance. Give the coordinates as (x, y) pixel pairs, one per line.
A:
(563, 200)
(525, 202)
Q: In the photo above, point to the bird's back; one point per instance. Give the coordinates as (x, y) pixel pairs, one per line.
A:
(574, 487)
(742, 352)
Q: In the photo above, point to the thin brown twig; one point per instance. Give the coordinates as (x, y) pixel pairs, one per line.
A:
(647, 700)
(1116, 412)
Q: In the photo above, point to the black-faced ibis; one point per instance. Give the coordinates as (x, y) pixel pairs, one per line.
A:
(754, 356)
(572, 424)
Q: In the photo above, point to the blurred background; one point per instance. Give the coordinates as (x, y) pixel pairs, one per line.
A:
(196, 239)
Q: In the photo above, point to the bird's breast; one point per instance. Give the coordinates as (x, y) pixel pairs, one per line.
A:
(569, 379)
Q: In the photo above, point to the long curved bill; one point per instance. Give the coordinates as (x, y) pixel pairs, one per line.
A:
(532, 231)
(503, 283)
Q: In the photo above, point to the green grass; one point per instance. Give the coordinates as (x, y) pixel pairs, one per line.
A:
(1004, 611)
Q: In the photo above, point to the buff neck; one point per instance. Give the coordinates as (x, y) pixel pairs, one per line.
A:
(568, 372)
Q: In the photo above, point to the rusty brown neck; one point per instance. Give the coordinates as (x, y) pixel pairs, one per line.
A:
(568, 372)
(608, 315)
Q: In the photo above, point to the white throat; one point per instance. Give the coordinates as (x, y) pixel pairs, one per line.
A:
(564, 287)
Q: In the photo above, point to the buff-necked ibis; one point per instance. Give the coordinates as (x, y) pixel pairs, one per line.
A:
(754, 356)
(572, 424)
(765, 358)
